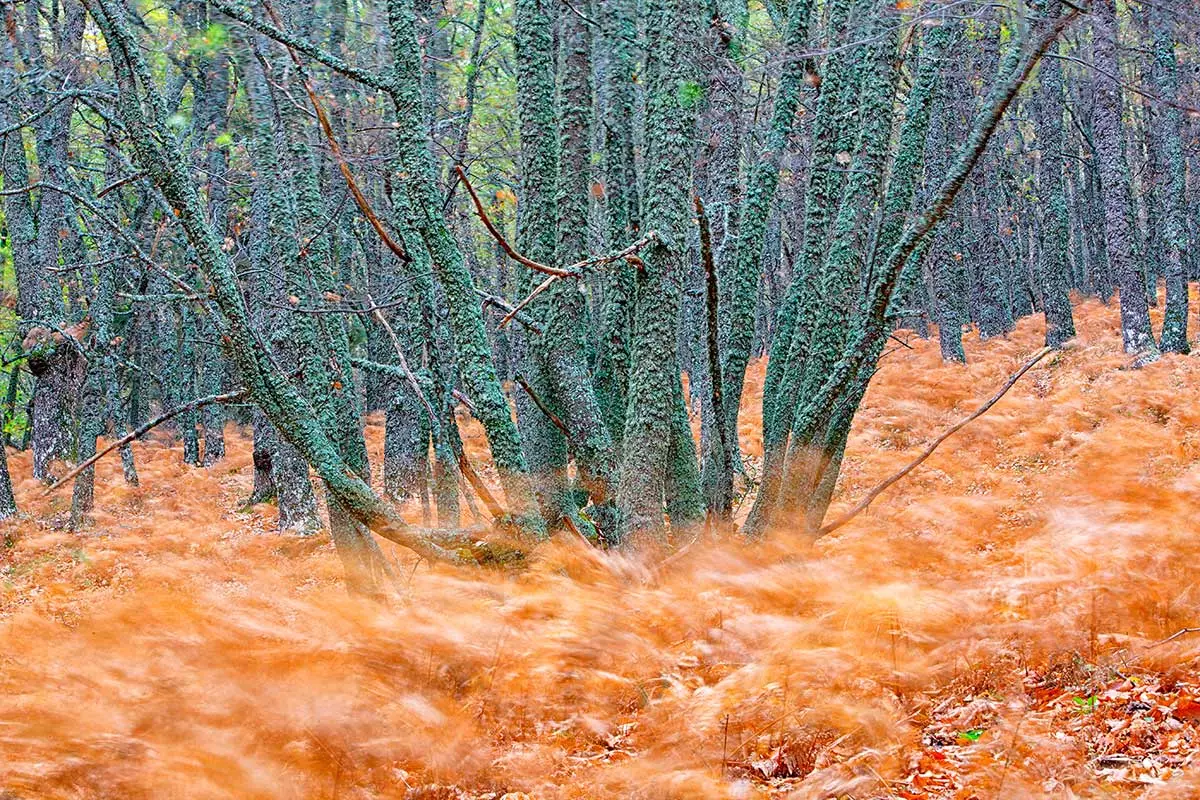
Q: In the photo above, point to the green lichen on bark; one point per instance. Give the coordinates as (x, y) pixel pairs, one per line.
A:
(1053, 269)
(672, 106)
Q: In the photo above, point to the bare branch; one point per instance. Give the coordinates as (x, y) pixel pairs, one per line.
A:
(928, 451)
(200, 402)
(499, 237)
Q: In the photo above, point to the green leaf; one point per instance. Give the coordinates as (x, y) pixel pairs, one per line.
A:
(223, 139)
(972, 735)
(1085, 705)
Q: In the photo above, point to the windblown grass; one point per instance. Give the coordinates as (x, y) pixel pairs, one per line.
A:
(984, 631)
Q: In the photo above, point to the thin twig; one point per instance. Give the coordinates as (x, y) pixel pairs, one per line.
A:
(493, 506)
(1174, 636)
(119, 183)
(462, 398)
(881, 488)
(408, 373)
(228, 397)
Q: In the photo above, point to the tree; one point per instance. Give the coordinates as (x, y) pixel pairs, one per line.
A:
(1113, 172)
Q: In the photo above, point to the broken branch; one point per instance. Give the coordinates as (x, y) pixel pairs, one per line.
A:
(541, 287)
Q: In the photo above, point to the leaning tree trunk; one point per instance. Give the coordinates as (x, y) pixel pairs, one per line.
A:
(615, 316)
(1053, 267)
(834, 132)
(545, 446)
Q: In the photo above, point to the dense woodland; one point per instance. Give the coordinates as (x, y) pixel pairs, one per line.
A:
(578, 234)
(292, 216)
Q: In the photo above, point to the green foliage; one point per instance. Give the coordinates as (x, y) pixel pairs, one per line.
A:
(690, 93)
(208, 42)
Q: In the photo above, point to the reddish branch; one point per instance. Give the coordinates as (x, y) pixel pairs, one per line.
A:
(499, 237)
(574, 270)
(359, 198)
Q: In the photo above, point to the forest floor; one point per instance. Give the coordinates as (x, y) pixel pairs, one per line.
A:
(992, 628)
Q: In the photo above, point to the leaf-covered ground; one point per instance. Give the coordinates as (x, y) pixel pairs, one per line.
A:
(992, 628)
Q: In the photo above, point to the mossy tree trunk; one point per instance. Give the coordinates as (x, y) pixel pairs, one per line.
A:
(673, 97)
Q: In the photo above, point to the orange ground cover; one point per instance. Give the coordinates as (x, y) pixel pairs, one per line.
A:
(986, 631)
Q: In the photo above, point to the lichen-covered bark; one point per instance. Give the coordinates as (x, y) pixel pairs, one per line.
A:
(1113, 170)
(141, 106)
(672, 106)
(833, 132)
(941, 253)
(279, 471)
(1171, 187)
(842, 273)
(563, 344)
(476, 369)
(18, 221)
(681, 488)
(821, 418)
(989, 303)
(537, 220)
(742, 259)
(615, 316)
(101, 374)
(56, 365)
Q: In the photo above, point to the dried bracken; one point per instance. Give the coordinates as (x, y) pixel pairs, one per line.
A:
(992, 627)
